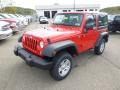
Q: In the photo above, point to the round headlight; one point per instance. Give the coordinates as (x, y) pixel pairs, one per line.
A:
(41, 44)
(23, 38)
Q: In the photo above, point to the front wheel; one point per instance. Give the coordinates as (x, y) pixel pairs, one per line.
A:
(62, 66)
(100, 48)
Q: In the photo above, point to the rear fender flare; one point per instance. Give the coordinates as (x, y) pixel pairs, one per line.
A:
(102, 35)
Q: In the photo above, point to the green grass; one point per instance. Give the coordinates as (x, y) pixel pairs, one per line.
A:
(111, 10)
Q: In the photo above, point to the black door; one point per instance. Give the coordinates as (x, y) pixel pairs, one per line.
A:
(47, 14)
(53, 13)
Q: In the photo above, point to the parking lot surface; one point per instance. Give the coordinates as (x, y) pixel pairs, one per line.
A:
(92, 72)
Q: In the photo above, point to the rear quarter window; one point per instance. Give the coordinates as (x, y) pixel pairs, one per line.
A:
(102, 21)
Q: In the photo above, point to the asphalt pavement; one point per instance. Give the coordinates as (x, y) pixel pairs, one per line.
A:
(92, 72)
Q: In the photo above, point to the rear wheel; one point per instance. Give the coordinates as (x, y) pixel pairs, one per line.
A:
(62, 66)
(100, 48)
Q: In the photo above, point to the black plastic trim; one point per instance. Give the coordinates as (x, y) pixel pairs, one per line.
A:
(101, 37)
(52, 49)
(32, 59)
(20, 38)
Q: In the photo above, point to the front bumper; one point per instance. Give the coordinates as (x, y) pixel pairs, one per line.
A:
(32, 59)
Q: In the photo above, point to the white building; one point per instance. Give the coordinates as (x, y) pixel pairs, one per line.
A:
(50, 11)
(4, 3)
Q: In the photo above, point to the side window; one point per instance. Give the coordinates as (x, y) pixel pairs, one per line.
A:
(90, 22)
(117, 18)
(102, 21)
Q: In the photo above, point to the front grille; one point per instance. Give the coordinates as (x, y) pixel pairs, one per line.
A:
(31, 43)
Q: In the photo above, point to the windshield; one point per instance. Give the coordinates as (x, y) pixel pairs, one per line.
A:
(12, 16)
(1, 17)
(111, 17)
(43, 18)
(6, 16)
(68, 19)
(117, 18)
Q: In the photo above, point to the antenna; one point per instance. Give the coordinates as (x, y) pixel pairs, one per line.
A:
(74, 5)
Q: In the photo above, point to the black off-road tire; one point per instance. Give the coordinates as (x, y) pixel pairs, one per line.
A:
(114, 31)
(58, 59)
(97, 49)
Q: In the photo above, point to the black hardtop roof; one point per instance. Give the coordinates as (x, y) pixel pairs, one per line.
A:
(83, 13)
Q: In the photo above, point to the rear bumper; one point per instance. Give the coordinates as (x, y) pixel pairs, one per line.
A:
(43, 21)
(32, 59)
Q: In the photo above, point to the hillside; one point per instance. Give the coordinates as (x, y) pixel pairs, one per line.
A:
(111, 10)
(18, 10)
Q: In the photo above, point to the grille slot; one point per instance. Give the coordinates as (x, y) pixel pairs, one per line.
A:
(31, 44)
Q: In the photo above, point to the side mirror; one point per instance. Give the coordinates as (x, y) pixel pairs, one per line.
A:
(51, 21)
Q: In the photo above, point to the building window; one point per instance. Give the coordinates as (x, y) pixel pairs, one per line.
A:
(102, 21)
(91, 9)
(69, 10)
(53, 13)
(85, 9)
(79, 10)
(96, 10)
(64, 10)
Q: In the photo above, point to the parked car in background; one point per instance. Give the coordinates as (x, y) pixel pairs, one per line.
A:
(24, 21)
(114, 23)
(29, 18)
(5, 30)
(14, 25)
(43, 20)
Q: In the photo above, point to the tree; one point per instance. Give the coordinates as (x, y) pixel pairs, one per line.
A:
(18, 10)
(112, 10)
(9, 10)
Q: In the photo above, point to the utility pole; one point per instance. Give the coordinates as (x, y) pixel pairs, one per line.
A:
(0, 5)
(74, 5)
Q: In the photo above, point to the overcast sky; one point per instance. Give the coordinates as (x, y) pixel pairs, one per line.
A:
(33, 3)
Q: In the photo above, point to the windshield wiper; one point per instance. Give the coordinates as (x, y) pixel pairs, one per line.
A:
(58, 23)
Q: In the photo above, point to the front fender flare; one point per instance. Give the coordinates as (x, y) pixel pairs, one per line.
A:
(20, 38)
(51, 49)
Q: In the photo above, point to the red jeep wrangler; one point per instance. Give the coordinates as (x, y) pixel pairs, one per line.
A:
(71, 33)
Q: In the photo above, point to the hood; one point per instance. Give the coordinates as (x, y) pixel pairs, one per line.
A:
(54, 34)
(8, 20)
(3, 23)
